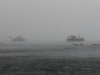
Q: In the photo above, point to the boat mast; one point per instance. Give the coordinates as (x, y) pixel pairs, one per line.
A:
(78, 35)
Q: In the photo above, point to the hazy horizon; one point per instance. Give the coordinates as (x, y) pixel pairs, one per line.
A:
(49, 21)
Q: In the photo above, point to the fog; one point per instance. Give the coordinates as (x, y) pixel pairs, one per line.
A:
(49, 20)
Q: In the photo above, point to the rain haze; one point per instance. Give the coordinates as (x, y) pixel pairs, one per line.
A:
(45, 25)
(49, 20)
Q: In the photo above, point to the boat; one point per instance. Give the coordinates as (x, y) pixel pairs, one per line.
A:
(73, 38)
(75, 44)
(18, 39)
(78, 44)
(95, 44)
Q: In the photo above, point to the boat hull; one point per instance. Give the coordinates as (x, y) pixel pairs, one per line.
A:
(78, 44)
(18, 40)
(75, 40)
(95, 44)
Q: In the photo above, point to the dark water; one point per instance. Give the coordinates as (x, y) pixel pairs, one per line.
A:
(49, 60)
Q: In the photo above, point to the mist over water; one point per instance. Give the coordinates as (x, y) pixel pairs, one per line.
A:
(50, 50)
(49, 21)
(45, 24)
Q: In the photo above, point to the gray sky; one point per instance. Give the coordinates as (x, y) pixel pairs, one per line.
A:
(49, 20)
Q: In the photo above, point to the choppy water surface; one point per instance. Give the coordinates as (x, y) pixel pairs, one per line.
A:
(50, 51)
(49, 60)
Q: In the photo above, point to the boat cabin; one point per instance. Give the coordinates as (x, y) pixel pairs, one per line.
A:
(72, 37)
